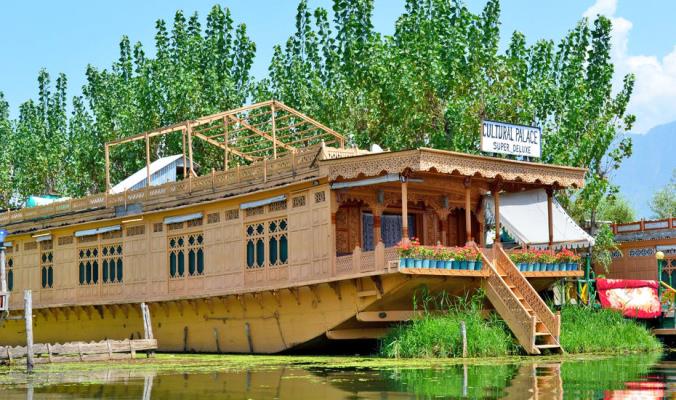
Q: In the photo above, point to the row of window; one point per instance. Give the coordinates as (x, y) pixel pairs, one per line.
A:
(266, 245)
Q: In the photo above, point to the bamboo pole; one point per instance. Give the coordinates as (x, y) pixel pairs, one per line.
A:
(468, 212)
(550, 218)
(192, 165)
(28, 316)
(404, 209)
(496, 201)
(463, 332)
(147, 161)
(107, 155)
(185, 162)
(226, 143)
(3, 274)
(274, 132)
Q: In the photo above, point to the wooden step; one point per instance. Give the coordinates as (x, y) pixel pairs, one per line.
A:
(547, 346)
(542, 334)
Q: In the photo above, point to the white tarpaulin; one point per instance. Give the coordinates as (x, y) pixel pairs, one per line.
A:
(524, 216)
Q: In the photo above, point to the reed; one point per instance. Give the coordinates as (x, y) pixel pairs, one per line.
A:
(590, 330)
(436, 334)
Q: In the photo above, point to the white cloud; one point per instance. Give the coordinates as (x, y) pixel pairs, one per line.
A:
(654, 98)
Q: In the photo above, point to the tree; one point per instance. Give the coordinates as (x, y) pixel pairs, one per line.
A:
(663, 203)
(616, 209)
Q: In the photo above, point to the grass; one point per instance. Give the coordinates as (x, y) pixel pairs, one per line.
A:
(584, 330)
(438, 336)
(588, 330)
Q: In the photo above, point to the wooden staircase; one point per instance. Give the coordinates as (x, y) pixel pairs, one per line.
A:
(535, 326)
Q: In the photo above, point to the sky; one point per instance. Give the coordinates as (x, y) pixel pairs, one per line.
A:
(66, 36)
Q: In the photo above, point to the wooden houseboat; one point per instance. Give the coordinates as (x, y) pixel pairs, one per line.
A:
(291, 241)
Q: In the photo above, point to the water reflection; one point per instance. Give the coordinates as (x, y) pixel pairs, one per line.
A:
(627, 377)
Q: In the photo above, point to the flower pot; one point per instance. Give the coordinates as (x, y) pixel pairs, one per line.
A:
(463, 265)
(455, 264)
(572, 266)
(542, 266)
(403, 262)
(410, 262)
(531, 267)
(478, 265)
(441, 264)
(471, 265)
(549, 267)
(418, 263)
(448, 264)
(425, 263)
(433, 263)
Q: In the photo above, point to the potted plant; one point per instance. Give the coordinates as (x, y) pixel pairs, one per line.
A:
(471, 255)
(549, 259)
(446, 258)
(426, 255)
(461, 259)
(407, 250)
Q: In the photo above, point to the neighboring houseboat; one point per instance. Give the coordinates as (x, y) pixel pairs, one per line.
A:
(638, 244)
(292, 241)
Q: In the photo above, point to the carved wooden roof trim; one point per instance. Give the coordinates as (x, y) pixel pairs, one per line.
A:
(448, 162)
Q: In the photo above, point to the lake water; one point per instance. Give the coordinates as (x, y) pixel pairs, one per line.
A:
(252, 377)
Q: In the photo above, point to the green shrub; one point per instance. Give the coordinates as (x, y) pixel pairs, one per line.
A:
(438, 335)
(588, 330)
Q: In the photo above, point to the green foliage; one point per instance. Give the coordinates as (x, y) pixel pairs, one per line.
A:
(429, 84)
(663, 203)
(438, 335)
(588, 330)
(604, 246)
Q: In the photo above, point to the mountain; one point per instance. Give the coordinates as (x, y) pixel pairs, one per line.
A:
(649, 168)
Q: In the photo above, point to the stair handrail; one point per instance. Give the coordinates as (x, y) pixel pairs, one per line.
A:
(549, 319)
(520, 321)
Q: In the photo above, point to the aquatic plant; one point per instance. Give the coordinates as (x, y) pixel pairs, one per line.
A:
(589, 330)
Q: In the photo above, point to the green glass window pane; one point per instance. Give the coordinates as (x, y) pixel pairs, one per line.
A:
(191, 262)
(82, 253)
(88, 253)
(283, 249)
(44, 277)
(104, 268)
(260, 229)
(260, 253)
(282, 225)
(250, 230)
(105, 251)
(181, 264)
(88, 272)
(172, 243)
(10, 263)
(200, 239)
(273, 226)
(191, 240)
(119, 270)
(10, 280)
(180, 241)
(82, 273)
(119, 249)
(272, 250)
(95, 272)
(95, 253)
(172, 264)
(50, 257)
(250, 254)
(44, 257)
(111, 270)
(200, 261)
(50, 277)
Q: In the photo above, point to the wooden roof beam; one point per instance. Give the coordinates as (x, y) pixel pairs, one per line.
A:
(261, 133)
(223, 146)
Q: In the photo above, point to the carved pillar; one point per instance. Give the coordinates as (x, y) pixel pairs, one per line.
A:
(334, 237)
(550, 217)
(404, 209)
(496, 202)
(468, 210)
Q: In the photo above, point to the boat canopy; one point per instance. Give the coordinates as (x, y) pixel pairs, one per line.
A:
(524, 216)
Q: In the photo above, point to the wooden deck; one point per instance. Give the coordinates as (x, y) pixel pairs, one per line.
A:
(80, 351)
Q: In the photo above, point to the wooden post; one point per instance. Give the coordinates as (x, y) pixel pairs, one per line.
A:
(147, 323)
(147, 161)
(226, 140)
(496, 203)
(468, 212)
(274, 132)
(107, 156)
(192, 165)
(404, 208)
(463, 333)
(185, 162)
(550, 217)
(28, 316)
(376, 227)
(3, 275)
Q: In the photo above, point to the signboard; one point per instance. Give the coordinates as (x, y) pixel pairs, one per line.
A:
(519, 140)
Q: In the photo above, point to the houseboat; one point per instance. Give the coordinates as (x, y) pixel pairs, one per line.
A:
(293, 240)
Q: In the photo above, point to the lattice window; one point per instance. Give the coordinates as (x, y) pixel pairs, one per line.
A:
(267, 244)
(174, 227)
(298, 201)
(158, 227)
(320, 197)
(277, 206)
(186, 249)
(112, 263)
(65, 240)
(251, 212)
(9, 260)
(136, 230)
(195, 222)
(111, 235)
(30, 246)
(88, 265)
(213, 218)
(231, 214)
(47, 264)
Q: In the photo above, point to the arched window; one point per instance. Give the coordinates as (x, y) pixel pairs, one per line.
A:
(188, 246)
(267, 244)
(47, 264)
